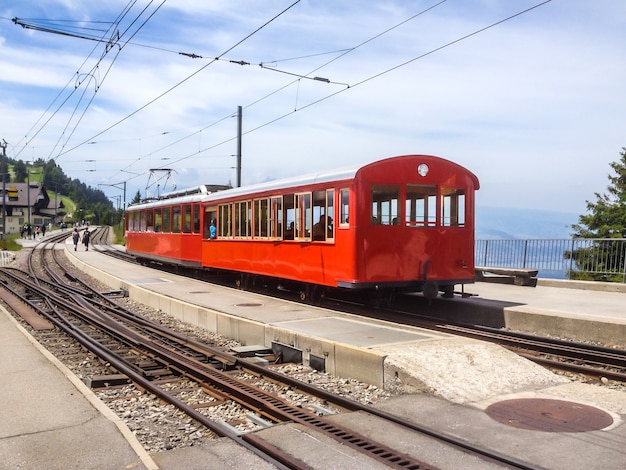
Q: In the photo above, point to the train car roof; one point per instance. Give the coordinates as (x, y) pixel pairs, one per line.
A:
(285, 183)
(198, 194)
(204, 193)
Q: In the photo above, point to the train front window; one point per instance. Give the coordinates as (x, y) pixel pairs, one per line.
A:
(385, 204)
(452, 207)
(421, 205)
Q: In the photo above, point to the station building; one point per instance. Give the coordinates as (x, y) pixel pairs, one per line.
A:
(25, 203)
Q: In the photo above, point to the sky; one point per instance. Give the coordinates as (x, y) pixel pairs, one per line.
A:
(528, 95)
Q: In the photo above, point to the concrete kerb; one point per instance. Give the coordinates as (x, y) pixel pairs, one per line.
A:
(583, 285)
(90, 396)
(342, 360)
(578, 329)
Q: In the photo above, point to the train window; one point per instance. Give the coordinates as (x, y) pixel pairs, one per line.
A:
(385, 204)
(276, 218)
(210, 219)
(289, 217)
(243, 219)
(142, 222)
(196, 218)
(344, 202)
(323, 213)
(136, 222)
(186, 218)
(166, 226)
(150, 220)
(157, 219)
(175, 219)
(225, 225)
(303, 216)
(261, 217)
(452, 207)
(421, 205)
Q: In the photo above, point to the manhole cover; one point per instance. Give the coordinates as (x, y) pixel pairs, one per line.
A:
(249, 304)
(540, 414)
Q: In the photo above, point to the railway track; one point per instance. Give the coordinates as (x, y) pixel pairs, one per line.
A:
(595, 361)
(151, 355)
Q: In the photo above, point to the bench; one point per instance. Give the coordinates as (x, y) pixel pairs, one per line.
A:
(520, 276)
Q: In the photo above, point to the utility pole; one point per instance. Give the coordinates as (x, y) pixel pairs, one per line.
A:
(239, 118)
(3, 145)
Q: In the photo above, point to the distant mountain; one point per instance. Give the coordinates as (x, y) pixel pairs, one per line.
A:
(501, 222)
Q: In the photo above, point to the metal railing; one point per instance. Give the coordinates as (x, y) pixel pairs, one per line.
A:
(562, 258)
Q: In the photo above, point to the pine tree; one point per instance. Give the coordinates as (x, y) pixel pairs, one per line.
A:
(607, 216)
(606, 219)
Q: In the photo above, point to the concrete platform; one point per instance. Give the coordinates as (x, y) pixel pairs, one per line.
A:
(49, 419)
(467, 376)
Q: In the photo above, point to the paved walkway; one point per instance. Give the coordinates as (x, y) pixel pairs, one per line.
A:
(49, 419)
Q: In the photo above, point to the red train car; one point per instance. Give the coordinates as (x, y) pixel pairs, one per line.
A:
(400, 224)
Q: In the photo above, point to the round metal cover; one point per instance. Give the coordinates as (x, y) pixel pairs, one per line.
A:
(540, 414)
(249, 304)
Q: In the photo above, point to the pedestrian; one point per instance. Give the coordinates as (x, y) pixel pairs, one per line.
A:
(75, 238)
(86, 236)
(29, 230)
(43, 230)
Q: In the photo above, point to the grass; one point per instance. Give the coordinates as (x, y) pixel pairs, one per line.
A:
(11, 244)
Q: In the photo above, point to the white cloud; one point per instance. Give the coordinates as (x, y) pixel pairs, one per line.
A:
(533, 106)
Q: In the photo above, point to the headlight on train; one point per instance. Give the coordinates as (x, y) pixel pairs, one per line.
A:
(422, 169)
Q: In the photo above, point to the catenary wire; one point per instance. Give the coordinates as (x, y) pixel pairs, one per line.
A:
(182, 81)
(377, 75)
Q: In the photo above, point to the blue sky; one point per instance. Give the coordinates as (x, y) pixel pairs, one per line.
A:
(534, 106)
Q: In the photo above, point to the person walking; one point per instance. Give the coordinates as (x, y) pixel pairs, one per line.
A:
(86, 236)
(75, 238)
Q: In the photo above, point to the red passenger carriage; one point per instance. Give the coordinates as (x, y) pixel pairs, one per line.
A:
(400, 224)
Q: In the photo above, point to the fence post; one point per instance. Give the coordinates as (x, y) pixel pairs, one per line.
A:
(571, 260)
(485, 255)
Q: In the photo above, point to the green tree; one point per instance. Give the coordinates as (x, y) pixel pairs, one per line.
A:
(137, 198)
(20, 172)
(606, 219)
